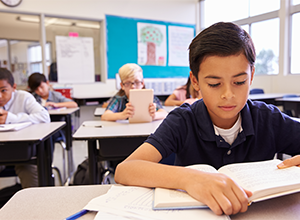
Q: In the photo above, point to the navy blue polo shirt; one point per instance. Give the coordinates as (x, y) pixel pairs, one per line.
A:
(188, 131)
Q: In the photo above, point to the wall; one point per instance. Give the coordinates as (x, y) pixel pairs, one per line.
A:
(180, 11)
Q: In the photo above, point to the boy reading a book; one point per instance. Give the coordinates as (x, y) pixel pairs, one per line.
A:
(222, 128)
(20, 106)
(40, 87)
(119, 108)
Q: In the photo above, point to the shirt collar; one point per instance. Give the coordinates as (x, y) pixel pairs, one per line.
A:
(205, 125)
(9, 103)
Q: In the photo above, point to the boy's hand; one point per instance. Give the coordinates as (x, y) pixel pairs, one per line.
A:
(219, 192)
(3, 116)
(128, 112)
(152, 110)
(293, 161)
(52, 104)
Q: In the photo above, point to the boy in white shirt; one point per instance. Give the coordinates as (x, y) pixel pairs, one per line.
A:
(18, 106)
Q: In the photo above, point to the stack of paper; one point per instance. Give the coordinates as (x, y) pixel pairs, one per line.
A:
(14, 127)
(126, 202)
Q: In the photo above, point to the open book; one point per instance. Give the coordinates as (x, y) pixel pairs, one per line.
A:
(263, 179)
(14, 127)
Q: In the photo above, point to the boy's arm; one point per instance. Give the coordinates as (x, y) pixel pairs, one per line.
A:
(32, 112)
(218, 191)
(70, 104)
(109, 115)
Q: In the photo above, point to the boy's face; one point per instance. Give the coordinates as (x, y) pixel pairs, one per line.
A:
(132, 83)
(224, 83)
(6, 91)
(43, 90)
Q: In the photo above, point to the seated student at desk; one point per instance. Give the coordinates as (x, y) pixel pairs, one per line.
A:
(119, 108)
(20, 106)
(39, 85)
(224, 127)
(182, 94)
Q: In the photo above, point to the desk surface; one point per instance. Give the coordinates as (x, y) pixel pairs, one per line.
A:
(33, 132)
(92, 129)
(289, 99)
(61, 202)
(266, 96)
(99, 111)
(66, 111)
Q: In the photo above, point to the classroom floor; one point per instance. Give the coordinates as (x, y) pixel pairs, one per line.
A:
(79, 149)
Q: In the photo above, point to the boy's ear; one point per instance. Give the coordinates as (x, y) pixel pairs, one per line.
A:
(14, 86)
(194, 81)
(252, 75)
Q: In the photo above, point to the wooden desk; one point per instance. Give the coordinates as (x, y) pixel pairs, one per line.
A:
(34, 137)
(65, 114)
(116, 140)
(61, 202)
(99, 111)
(292, 103)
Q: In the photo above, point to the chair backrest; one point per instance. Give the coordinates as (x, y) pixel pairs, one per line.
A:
(290, 96)
(257, 91)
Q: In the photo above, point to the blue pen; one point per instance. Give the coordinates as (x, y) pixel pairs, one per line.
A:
(77, 215)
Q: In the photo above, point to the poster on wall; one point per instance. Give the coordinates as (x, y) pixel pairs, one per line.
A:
(179, 41)
(151, 44)
(75, 59)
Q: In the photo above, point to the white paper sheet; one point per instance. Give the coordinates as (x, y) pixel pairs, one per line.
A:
(136, 203)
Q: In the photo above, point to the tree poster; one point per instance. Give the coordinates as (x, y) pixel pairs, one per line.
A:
(152, 47)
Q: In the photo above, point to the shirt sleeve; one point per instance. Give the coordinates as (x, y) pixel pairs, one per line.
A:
(32, 112)
(157, 102)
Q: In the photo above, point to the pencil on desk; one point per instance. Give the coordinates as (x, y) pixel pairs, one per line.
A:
(77, 215)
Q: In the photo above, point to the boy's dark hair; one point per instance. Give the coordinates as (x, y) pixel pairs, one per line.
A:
(35, 80)
(5, 74)
(220, 39)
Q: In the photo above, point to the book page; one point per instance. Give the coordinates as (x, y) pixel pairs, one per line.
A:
(263, 178)
(136, 203)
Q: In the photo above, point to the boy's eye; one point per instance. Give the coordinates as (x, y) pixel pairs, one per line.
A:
(240, 83)
(3, 90)
(214, 85)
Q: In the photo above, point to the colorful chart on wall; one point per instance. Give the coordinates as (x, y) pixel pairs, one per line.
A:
(160, 48)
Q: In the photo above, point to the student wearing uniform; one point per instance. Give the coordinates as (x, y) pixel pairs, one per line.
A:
(119, 108)
(224, 127)
(182, 94)
(20, 106)
(40, 87)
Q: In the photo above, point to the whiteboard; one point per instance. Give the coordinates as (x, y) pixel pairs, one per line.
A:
(75, 59)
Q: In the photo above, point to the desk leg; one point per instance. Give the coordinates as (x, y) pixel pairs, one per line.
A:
(40, 163)
(48, 162)
(92, 153)
(69, 139)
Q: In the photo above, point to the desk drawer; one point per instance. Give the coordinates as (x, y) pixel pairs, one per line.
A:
(119, 147)
(16, 152)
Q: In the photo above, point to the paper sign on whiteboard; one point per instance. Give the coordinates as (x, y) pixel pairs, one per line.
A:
(75, 59)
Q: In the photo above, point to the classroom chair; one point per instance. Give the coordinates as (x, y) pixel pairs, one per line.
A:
(256, 91)
(289, 112)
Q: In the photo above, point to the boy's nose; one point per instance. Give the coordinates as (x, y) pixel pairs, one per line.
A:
(227, 93)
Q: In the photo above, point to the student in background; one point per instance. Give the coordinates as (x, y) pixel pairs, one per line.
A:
(182, 94)
(224, 127)
(119, 108)
(18, 106)
(40, 87)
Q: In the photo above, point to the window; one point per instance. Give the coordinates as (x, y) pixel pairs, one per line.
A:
(35, 57)
(295, 52)
(259, 18)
